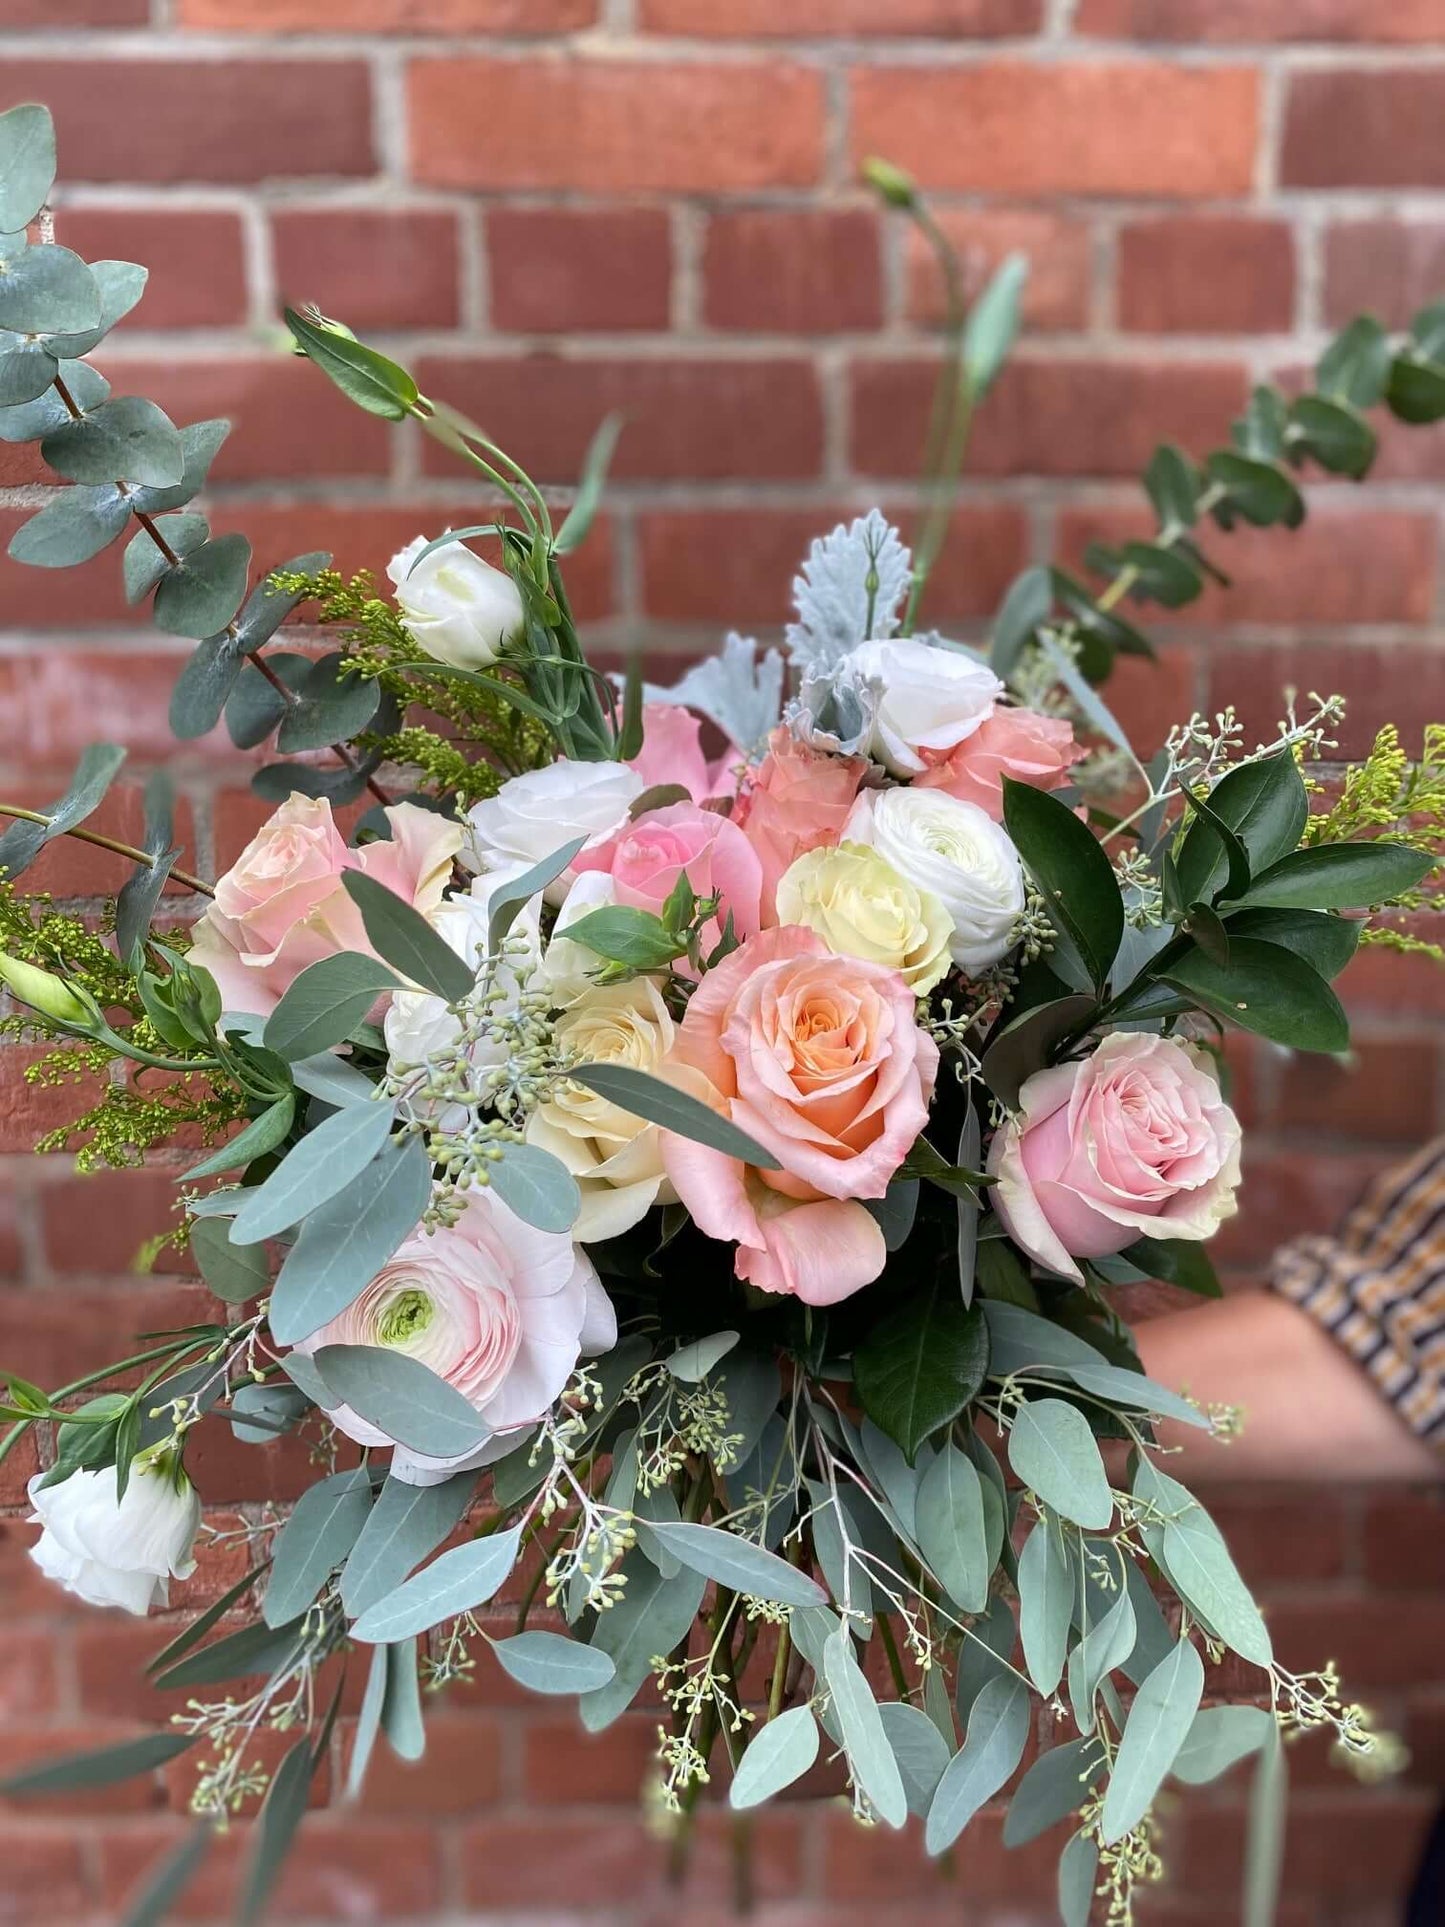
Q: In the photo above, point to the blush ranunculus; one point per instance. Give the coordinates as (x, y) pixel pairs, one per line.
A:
(672, 753)
(1133, 1141)
(798, 801)
(819, 1058)
(281, 905)
(498, 1309)
(1018, 743)
(646, 858)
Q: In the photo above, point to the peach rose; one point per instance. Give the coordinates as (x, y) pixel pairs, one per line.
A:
(798, 801)
(281, 905)
(818, 1058)
(1134, 1141)
(646, 858)
(1019, 743)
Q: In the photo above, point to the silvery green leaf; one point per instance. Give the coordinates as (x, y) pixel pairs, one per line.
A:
(255, 706)
(507, 900)
(1118, 1386)
(335, 1080)
(968, 1206)
(323, 1163)
(1153, 1635)
(27, 164)
(1078, 1870)
(325, 1003)
(404, 1397)
(459, 1581)
(986, 1654)
(537, 1186)
(998, 1730)
(368, 1724)
(235, 1273)
(951, 1529)
(837, 1528)
(209, 676)
(998, 1505)
(735, 1562)
(1019, 1338)
(47, 290)
(652, 1615)
(1264, 1840)
(346, 1241)
(1219, 1738)
(735, 690)
(920, 1750)
(675, 1110)
(1191, 1550)
(143, 563)
(751, 1383)
(74, 525)
(779, 1752)
(1159, 1721)
(268, 605)
(260, 1413)
(993, 324)
(865, 1740)
(27, 373)
(125, 439)
(260, 1136)
(97, 1767)
(401, 1714)
(895, 1477)
(812, 1627)
(121, 284)
(1027, 604)
(1053, 1452)
(166, 1883)
(1106, 1644)
(1046, 1600)
(316, 1538)
(766, 1481)
(201, 442)
(548, 1663)
(300, 1369)
(95, 772)
(253, 1649)
(201, 594)
(1058, 1783)
(404, 939)
(406, 1523)
(281, 1815)
(330, 707)
(28, 421)
(1088, 699)
(690, 1364)
(850, 590)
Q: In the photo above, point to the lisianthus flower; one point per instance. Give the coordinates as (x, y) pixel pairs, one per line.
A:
(113, 1551)
(457, 607)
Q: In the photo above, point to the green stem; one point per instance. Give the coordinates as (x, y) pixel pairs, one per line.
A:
(13, 1437)
(950, 414)
(106, 843)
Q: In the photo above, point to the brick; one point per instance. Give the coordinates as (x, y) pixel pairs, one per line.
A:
(564, 1767)
(1281, 1537)
(195, 257)
(52, 1338)
(1425, 1737)
(95, 1224)
(390, 16)
(1261, 20)
(1056, 295)
(1286, 1193)
(737, 565)
(1390, 268)
(809, 19)
(1405, 1541)
(870, 1864)
(68, 867)
(392, 267)
(1388, 1091)
(530, 1860)
(201, 120)
(1206, 275)
(673, 127)
(1374, 129)
(27, 1675)
(40, 717)
(1371, 565)
(1348, 1849)
(74, 13)
(799, 271)
(556, 270)
(1070, 417)
(1410, 986)
(683, 417)
(1150, 698)
(44, 1874)
(1392, 683)
(227, 1470)
(460, 1772)
(1011, 127)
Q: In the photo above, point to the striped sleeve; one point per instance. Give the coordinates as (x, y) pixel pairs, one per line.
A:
(1378, 1287)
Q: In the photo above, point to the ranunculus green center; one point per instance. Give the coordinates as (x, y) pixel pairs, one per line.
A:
(406, 1317)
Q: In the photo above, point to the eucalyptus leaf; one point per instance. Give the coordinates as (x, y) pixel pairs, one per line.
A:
(260, 1136)
(690, 1364)
(406, 1523)
(99, 1766)
(457, 1582)
(368, 1724)
(919, 1748)
(1046, 1599)
(548, 1663)
(166, 1883)
(202, 443)
(121, 284)
(27, 164)
(403, 938)
(261, 1413)
(652, 1615)
(1265, 1837)
(1220, 1737)
(405, 1398)
(1057, 1784)
(865, 1739)
(1190, 1548)
(1078, 1872)
(401, 1714)
(1028, 603)
(951, 1529)
(325, 1003)
(331, 707)
(74, 525)
(509, 897)
(236, 1273)
(537, 1186)
(321, 1531)
(661, 1103)
(48, 290)
(1159, 1721)
(126, 439)
(205, 589)
(144, 562)
(1106, 1644)
(998, 1730)
(281, 1815)
(733, 1561)
(780, 1752)
(1053, 1452)
(27, 373)
(323, 1163)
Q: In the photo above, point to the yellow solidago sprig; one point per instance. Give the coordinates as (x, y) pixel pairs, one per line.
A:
(1389, 796)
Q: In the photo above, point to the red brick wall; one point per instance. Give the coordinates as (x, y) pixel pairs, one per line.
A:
(556, 207)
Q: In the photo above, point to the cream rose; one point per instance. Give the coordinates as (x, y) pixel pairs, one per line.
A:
(454, 605)
(951, 850)
(932, 698)
(536, 813)
(860, 906)
(1134, 1141)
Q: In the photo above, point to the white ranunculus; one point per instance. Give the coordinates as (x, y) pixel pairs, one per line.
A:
(930, 698)
(113, 1553)
(457, 607)
(955, 850)
(536, 813)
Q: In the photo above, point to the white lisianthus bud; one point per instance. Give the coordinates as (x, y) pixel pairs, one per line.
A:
(457, 607)
(931, 699)
(862, 907)
(117, 1553)
(954, 850)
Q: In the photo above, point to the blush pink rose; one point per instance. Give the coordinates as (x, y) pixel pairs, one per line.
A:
(281, 905)
(1019, 743)
(818, 1058)
(672, 752)
(645, 859)
(1134, 1141)
(798, 801)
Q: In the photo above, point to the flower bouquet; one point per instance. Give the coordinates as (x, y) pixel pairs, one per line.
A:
(678, 1147)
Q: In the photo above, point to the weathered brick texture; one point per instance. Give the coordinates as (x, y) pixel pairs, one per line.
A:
(554, 208)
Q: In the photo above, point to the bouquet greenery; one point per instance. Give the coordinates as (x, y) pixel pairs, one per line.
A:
(679, 1184)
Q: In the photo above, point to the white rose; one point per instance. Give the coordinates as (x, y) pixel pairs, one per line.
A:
(614, 1155)
(955, 850)
(931, 699)
(534, 814)
(569, 968)
(113, 1553)
(457, 607)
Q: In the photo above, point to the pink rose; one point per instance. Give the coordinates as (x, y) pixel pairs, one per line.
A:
(1135, 1141)
(281, 905)
(818, 1058)
(498, 1309)
(1013, 742)
(645, 859)
(798, 801)
(672, 753)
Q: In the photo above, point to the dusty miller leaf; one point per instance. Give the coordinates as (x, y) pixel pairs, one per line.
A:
(850, 590)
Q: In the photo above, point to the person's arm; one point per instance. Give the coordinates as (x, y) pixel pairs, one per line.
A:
(1309, 1411)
